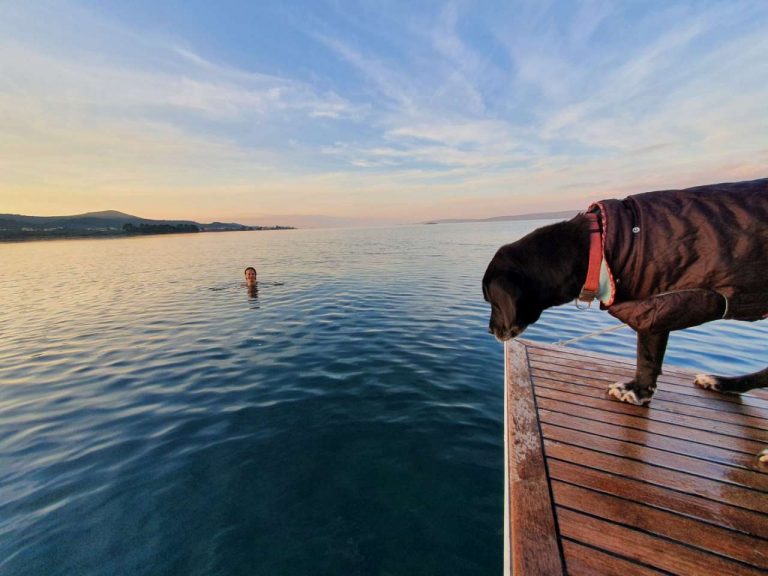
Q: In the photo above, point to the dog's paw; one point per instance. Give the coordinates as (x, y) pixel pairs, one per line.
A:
(708, 382)
(763, 457)
(630, 393)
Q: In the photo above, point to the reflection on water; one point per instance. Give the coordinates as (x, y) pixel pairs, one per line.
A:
(253, 290)
(158, 418)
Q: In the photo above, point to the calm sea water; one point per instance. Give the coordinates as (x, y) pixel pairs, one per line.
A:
(155, 418)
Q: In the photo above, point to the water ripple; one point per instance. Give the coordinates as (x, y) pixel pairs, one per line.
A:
(156, 418)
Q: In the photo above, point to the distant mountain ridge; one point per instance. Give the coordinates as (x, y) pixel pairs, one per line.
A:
(105, 223)
(561, 215)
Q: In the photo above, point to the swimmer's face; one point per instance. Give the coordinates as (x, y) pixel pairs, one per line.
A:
(250, 275)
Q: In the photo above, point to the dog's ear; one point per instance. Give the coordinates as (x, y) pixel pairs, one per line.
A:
(503, 294)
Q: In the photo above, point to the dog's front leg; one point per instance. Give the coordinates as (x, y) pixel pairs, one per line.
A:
(650, 357)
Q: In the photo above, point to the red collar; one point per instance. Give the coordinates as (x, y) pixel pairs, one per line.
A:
(592, 284)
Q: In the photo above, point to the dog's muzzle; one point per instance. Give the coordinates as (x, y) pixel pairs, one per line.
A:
(503, 334)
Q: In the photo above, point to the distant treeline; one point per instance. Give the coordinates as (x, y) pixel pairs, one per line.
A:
(159, 228)
(13, 235)
(14, 227)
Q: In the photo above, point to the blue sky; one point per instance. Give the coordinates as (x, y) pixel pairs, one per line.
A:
(365, 112)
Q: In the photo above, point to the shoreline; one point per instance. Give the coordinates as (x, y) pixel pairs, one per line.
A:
(34, 237)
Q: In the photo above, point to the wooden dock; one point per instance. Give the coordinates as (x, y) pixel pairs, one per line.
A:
(595, 486)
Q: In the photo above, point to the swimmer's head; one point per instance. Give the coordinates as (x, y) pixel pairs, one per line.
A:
(250, 274)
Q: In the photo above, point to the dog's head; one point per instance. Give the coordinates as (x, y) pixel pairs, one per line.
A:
(512, 295)
(545, 268)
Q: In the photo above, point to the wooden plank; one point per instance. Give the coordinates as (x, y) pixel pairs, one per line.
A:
(633, 514)
(652, 426)
(670, 371)
(647, 549)
(641, 437)
(681, 382)
(682, 463)
(659, 404)
(684, 503)
(706, 399)
(576, 369)
(718, 491)
(609, 374)
(585, 561)
(604, 363)
(531, 540)
(534, 348)
(608, 405)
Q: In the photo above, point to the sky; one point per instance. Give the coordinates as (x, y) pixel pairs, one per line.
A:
(325, 113)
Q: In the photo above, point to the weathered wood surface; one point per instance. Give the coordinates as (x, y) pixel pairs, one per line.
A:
(673, 488)
(533, 546)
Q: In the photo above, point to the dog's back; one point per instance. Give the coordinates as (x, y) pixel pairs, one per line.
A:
(709, 237)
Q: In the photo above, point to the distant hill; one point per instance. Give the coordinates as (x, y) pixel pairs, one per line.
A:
(105, 223)
(562, 215)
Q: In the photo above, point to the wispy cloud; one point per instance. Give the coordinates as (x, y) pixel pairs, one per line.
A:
(396, 110)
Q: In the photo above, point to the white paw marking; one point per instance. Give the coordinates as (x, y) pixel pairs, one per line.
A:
(763, 457)
(620, 392)
(707, 382)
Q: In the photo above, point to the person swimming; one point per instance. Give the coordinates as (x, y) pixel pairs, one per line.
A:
(251, 283)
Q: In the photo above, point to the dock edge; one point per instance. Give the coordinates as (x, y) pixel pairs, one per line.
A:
(531, 542)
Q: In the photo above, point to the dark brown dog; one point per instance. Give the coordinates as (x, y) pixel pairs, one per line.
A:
(666, 261)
